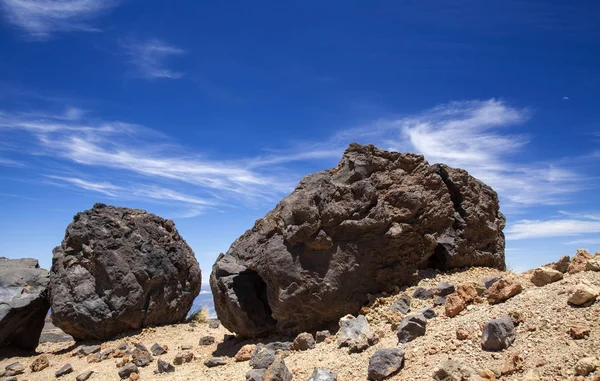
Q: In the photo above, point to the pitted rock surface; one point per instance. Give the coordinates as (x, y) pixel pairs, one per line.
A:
(363, 227)
(119, 269)
(23, 302)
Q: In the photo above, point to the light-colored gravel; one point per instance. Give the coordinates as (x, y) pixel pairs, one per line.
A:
(542, 340)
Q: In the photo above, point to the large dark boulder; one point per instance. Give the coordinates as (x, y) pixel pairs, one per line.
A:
(363, 227)
(119, 269)
(23, 302)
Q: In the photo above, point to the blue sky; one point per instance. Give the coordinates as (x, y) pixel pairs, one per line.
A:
(209, 113)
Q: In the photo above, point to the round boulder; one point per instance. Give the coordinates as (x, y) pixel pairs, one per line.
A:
(119, 269)
(361, 228)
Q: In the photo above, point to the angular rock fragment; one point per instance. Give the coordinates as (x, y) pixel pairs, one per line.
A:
(411, 327)
(23, 303)
(278, 371)
(582, 295)
(401, 305)
(579, 261)
(321, 374)
(157, 350)
(544, 275)
(127, 370)
(385, 362)
(454, 305)
(445, 288)
(503, 290)
(84, 376)
(322, 335)
(207, 340)
(262, 357)
(498, 334)
(355, 333)
(215, 361)
(164, 367)
(40, 364)
(64, 370)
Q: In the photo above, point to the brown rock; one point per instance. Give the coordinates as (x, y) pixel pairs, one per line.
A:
(578, 332)
(378, 216)
(582, 295)
(503, 289)
(124, 360)
(579, 261)
(454, 305)
(40, 364)
(593, 264)
(562, 265)
(544, 275)
(467, 291)
(303, 342)
(586, 366)
(513, 363)
(245, 353)
(183, 357)
(517, 317)
(487, 374)
(463, 334)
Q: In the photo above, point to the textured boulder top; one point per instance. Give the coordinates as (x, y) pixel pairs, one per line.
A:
(23, 302)
(363, 227)
(119, 269)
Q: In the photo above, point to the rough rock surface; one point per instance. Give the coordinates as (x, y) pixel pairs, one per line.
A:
(322, 374)
(385, 362)
(355, 333)
(361, 228)
(119, 269)
(544, 275)
(23, 302)
(411, 327)
(498, 334)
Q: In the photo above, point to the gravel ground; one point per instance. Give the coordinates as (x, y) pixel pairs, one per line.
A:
(549, 353)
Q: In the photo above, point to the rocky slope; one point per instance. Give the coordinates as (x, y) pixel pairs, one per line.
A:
(555, 337)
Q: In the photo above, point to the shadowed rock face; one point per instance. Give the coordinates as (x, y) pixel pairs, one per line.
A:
(363, 227)
(23, 302)
(119, 269)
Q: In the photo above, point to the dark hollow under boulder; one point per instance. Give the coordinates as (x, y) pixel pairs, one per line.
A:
(119, 269)
(363, 227)
(23, 303)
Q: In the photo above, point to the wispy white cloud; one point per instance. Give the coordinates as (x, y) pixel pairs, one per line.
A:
(474, 135)
(583, 242)
(162, 171)
(10, 163)
(149, 58)
(152, 192)
(42, 18)
(527, 229)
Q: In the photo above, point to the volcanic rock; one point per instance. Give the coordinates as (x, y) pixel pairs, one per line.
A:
(321, 374)
(355, 333)
(127, 370)
(119, 269)
(66, 369)
(215, 361)
(401, 305)
(498, 334)
(23, 303)
(378, 217)
(40, 364)
(262, 357)
(278, 371)
(303, 342)
(445, 288)
(245, 353)
(322, 335)
(84, 376)
(385, 362)
(411, 327)
(164, 367)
